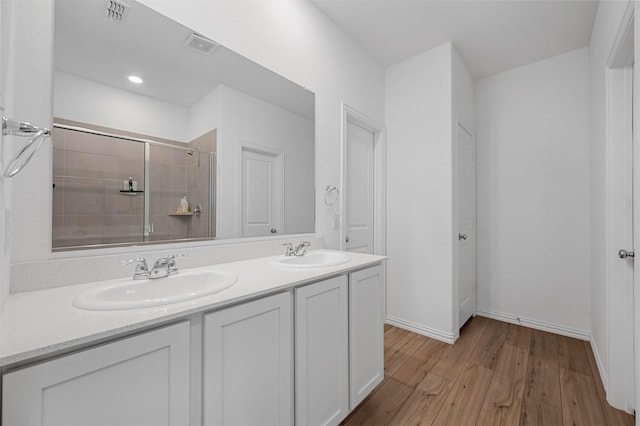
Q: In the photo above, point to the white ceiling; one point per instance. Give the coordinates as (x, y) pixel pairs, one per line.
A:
(151, 46)
(491, 36)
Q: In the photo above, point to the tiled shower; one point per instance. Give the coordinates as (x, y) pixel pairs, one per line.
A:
(92, 203)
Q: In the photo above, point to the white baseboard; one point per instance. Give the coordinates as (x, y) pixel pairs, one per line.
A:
(423, 330)
(538, 325)
(601, 370)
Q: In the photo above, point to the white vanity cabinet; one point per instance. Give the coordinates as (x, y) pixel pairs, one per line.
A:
(141, 380)
(248, 363)
(322, 352)
(366, 332)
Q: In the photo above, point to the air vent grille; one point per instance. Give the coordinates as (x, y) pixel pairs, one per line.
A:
(201, 44)
(116, 11)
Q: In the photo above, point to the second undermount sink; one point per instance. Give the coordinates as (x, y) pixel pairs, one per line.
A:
(133, 294)
(312, 260)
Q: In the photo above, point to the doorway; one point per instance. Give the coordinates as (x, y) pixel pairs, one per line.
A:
(362, 186)
(261, 194)
(466, 193)
(620, 222)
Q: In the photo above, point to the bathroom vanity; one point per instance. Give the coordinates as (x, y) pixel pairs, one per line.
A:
(280, 346)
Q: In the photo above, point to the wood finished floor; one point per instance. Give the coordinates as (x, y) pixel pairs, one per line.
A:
(495, 374)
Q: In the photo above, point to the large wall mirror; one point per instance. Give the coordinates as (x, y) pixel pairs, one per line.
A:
(160, 134)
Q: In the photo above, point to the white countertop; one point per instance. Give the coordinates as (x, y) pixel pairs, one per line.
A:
(45, 322)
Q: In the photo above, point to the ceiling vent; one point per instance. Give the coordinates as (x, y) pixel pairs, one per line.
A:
(116, 11)
(201, 44)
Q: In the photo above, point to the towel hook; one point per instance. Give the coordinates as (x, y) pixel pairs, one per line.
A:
(331, 195)
(28, 150)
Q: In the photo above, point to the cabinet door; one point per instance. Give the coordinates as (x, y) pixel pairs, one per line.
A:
(140, 380)
(248, 363)
(322, 352)
(366, 332)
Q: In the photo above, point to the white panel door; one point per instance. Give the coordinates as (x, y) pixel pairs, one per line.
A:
(322, 352)
(466, 226)
(140, 380)
(366, 332)
(359, 189)
(261, 192)
(248, 363)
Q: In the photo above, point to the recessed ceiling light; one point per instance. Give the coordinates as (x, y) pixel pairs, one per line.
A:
(135, 79)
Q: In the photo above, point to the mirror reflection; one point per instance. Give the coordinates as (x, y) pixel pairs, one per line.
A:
(161, 134)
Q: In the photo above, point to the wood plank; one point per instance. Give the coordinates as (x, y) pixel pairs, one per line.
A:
(573, 356)
(464, 401)
(595, 373)
(536, 413)
(616, 417)
(415, 367)
(518, 336)
(382, 406)
(489, 346)
(453, 360)
(401, 352)
(425, 402)
(580, 402)
(503, 403)
(387, 327)
(393, 336)
(543, 373)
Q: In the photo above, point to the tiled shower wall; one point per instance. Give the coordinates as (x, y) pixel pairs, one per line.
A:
(89, 171)
(88, 174)
(175, 173)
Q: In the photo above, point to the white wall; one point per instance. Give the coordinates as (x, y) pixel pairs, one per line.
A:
(204, 115)
(293, 38)
(605, 27)
(5, 193)
(26, 58)
(533, 236)
(95, 103)
(462, 93)
(419, 120)
(251, 120)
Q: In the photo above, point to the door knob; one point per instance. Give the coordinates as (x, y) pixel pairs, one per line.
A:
(624, 254)
(274, 230)
(462, 236)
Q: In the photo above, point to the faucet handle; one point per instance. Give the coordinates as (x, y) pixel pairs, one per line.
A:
(171, 264)
(290, 250)
(142, 270)
(301, 248)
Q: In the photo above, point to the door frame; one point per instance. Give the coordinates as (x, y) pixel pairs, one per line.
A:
(352, 115)
(280, 154)
(456, 222)
(618, 383)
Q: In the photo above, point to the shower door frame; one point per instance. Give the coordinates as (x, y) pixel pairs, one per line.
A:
(147, 187)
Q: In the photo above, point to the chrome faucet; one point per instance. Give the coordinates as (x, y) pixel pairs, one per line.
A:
(165, 266)
(142, 270)
(301, 248)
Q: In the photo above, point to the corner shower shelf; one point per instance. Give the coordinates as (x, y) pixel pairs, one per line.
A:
(122, 191)
(181, 214)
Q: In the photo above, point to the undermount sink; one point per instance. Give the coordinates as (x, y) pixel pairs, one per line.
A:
(312, 260)
(133, 294)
